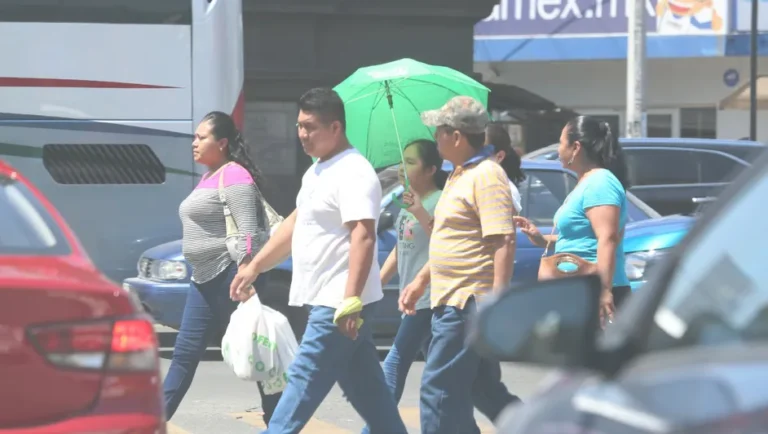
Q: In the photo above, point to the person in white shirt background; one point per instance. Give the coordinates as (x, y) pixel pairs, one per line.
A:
(498, 136)
(332, 236)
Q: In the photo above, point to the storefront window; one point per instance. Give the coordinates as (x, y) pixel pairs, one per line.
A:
(698, 123)
(659, 125)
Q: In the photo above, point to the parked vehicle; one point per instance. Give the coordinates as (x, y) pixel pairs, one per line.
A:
(163, 278)
(77, 353)
(100, 106)
(674, 175)
(689, 354)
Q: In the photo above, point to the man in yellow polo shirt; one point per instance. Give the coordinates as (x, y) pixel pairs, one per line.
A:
(471, 254)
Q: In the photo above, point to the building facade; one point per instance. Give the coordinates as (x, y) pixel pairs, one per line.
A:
(573, 52)
(293, 46)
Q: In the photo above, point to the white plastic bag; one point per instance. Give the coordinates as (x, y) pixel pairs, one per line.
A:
(286, 352)
(259, 345)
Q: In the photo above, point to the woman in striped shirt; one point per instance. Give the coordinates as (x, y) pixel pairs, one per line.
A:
(219, 146)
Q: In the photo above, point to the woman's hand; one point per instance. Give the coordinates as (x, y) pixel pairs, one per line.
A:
(530, 230)
(413, 200)
(241, 288)
(410, 295)
(606, 307)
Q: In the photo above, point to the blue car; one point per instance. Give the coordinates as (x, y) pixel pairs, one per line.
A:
(163, 275)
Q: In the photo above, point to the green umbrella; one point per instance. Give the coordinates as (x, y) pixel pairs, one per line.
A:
(384, 102)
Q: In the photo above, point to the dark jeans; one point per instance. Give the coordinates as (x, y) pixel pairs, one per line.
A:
(414, 336)
(456, 379)
(205, 319)
(326, 357)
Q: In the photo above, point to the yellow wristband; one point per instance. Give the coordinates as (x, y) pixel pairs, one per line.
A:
(348, 307)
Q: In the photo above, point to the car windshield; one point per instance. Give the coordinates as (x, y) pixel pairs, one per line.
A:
(388, 179)
(718, 292)
(642, 206)
(542, 193)
(27, 228)
(545, 153)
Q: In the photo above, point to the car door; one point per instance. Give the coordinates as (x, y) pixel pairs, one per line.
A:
(716, 170)
(387, 314)
(542, 192)
(665, 178)
(677, 180)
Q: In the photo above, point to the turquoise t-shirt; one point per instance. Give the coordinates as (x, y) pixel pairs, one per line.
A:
(413, 246)
(575, 231)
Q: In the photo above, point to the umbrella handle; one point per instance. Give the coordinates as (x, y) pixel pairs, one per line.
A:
(398, 202)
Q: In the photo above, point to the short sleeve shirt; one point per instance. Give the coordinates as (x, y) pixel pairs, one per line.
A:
(476, 203)
(333, 193)
(413, 246)
(576, 235)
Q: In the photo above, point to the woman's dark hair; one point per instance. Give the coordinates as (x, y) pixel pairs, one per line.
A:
(498, 136)
(427, 150)
(223, 127)
(600, 145)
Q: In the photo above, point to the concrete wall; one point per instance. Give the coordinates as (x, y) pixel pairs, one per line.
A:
(293, 46)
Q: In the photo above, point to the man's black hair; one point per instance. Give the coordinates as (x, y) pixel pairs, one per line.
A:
(324, 103)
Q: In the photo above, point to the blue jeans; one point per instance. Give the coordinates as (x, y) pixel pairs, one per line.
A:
(490, 395)
(456, 379)
(413, 336)
(325, 357)
(205, 319)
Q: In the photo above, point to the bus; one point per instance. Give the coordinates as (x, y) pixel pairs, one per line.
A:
(98, 105)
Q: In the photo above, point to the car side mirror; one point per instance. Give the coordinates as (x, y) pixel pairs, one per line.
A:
(551, 323)
(386, 221)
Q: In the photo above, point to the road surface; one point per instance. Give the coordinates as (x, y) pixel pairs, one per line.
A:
(218, 402)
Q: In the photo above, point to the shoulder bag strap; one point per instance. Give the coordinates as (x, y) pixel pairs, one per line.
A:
(228, 219)
(546, 249)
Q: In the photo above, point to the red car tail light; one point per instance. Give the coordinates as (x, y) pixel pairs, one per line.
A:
(114, 345)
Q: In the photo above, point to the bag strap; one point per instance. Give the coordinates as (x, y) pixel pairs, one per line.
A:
(546, 249)
(222, 198)
(554, 225)
(228, 219)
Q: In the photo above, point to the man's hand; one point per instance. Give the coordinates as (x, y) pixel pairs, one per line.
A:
(410, 295)
(348, 325)
(242, 288)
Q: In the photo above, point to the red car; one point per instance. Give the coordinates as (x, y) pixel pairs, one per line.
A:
(77, 353)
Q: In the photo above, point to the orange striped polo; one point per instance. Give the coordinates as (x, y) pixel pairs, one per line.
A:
(476, 203)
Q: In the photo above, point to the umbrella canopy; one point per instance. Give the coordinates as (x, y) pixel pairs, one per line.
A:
(384, 102)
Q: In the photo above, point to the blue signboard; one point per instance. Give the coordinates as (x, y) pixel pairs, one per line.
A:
(731, 77)
(523, 30)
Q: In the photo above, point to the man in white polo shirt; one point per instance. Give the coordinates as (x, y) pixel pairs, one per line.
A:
(332, 236)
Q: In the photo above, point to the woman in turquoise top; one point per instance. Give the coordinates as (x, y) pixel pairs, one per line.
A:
(591, 220)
